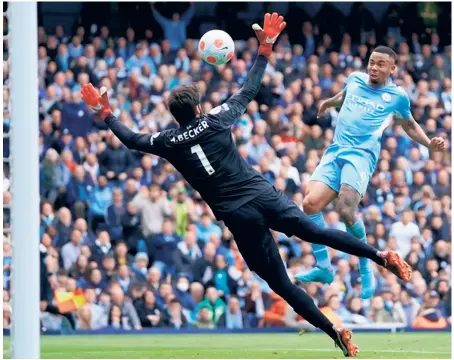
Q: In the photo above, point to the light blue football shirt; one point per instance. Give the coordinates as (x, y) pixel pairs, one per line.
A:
(367, 111)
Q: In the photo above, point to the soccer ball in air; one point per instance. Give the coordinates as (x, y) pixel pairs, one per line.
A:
(216, 47)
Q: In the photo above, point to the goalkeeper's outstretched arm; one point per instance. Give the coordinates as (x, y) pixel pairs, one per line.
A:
(237, 103)
(131, 139)
(100, 104)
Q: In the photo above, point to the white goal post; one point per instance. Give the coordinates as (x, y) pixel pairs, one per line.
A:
(25, 272)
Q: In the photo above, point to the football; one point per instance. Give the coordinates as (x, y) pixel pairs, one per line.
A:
(216, 47)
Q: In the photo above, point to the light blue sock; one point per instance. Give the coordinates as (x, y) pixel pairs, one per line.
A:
(358, 230)
(320, 251)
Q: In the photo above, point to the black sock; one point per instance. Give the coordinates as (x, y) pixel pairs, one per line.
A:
(347, 243)
(303, 305)
(336, 239)
(266, 261)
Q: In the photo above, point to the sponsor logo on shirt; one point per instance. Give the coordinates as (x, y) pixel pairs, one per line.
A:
(363, 105)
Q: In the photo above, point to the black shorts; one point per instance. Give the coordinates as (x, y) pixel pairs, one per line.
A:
(250, 225)
(270, 210)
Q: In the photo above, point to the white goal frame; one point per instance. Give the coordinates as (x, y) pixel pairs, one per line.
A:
(24, 135)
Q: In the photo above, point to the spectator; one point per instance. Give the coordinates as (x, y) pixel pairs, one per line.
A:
(183, 295)
(100, 199)
(175, 317)
(378, 312)
(405, 309)
(52, 176)
(116, 317)
(331, 310)
(47, 215)
(234, 318)
(130, 223)
(154, 207)
(80, 268)
(140, 266)
(204, 319)
(115, 213)
(78, 192)
(210, 309)
(175, 29)
(356, 314)
(223, 281)
(163, 246)
(154, 279)
(124, 277)
(275, 315)
(121, 254)
(71, 251)
(127, 309)
(88, 238)
(204, 267)
(99, 312)
(206, 227)
(63, 227)
(101, 247)
(147, 310)
(404, 231)
(429, 316)
(186, 254)
(94, 280)
(184, 209)
(108, 266)
(115, 161)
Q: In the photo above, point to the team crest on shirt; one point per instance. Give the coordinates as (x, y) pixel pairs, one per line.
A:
(386, 97)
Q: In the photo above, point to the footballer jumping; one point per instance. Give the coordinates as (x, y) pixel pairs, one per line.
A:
(368, 104)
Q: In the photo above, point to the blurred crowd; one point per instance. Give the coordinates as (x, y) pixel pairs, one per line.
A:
(147, 251)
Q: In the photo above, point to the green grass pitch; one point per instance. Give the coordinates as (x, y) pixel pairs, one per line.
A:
(242, 346)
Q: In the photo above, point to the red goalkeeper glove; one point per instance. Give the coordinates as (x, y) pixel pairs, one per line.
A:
(98, 103)
(272, 27)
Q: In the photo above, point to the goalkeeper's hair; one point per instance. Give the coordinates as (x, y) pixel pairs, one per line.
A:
(386, 50)
(183, 101)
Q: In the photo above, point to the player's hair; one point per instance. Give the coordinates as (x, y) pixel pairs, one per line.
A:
(386, 50)
(182, 102)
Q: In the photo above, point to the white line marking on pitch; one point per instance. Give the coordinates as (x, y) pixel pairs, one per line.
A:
(267, 349)
(369, 350)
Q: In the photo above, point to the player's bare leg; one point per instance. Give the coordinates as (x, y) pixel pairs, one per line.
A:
(318, 196)
(347, 203)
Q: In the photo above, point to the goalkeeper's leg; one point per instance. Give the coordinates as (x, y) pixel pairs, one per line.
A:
(286, 217)
(259, 250)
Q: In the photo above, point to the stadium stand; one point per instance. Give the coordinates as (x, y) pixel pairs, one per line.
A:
(143, 247)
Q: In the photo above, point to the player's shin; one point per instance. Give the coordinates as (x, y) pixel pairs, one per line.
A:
(321, 253)
(358, 230)
(368, 283)
(323, 272)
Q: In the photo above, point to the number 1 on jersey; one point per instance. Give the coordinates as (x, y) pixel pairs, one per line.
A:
(197, 149)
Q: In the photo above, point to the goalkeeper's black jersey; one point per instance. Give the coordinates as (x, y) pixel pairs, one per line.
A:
(203, 151)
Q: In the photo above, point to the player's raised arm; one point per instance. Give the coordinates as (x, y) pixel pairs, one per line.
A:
(413, 129)
(416, 132)
(100, 104)
(335, 101)
(237, 104)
